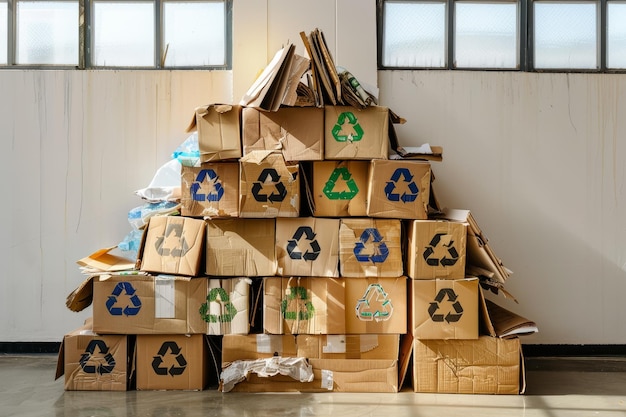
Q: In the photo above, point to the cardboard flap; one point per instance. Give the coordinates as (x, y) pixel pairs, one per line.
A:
(102, 260)
(82, 296)
(404, 358)
(257, 157)
(507, 324)
(204, 110)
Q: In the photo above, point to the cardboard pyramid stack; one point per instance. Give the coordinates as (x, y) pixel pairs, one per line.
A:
(304, 256)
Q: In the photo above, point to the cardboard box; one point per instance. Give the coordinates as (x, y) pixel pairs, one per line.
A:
(445, 309)
(125, 304)
(303, 305)
(307, 246)
(172, 362)
(211, 190)
(370, 248)
(351, 133)
(256, 346)
(487, 365)
(226, 308)
(219, 131)
(94, 362)
(398, 189)
(351, 346)
(376, 305)
(340, 188)
(297, 132)
(269, 186)
(436, 249)
(172, 245)
(241, 247)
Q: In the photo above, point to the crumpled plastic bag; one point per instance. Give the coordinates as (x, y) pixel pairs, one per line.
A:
(165, 185)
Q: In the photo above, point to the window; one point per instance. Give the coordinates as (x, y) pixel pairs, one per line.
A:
(533, 35)
(116, 33)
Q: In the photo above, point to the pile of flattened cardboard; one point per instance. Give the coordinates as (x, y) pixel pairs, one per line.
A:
(309, 254)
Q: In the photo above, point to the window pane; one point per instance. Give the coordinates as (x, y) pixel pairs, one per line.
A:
(565, 35)
(123, 34)
(616, 35)
(3, 32)
(194, 33)
(47, 32)
(414, 35)
(486, 35)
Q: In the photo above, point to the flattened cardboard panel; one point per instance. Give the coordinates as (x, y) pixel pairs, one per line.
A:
(256, 346)
(398, 189)
(445, 309)
(340, 188)
(370, 248)
(376, 305)
(211, 190)
(437, 249)
(173, 245)
(351, 133)
(297, 132)
(307, 246)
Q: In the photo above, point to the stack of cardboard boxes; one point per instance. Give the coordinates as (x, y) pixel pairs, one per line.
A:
(309, 258)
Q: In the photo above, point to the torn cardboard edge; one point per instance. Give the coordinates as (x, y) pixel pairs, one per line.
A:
(425, 152)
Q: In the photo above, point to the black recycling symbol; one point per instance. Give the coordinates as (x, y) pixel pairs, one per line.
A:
(445, 260)
(380, 251)
(450, 316)
(269, 176)
(86, 357)
(292, 246)
(129, 310)
(173, 234)
(176, 369)
(215, 195)
(393, 194)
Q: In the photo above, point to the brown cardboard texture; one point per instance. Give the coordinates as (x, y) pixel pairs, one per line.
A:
(399, 189)
(436, 249)
(307, 247)
(103, 260)
(226, 306)
(241, 247)
(340, 188)
(445, 309)
(297, 132)
(351, 133)
(350, 346)
(173, 245)
(94, 362)
(311, 305)
(256, 346)
(487, 365)
(370, 248)
(219, 131)
(376, 305)
(211, 190)
(269, 186)
(148, 305)
(172, 362)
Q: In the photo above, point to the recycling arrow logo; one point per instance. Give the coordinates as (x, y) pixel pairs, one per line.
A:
(218, 295)
(445, 260)
(129, 310)
(292, 245)
(380, 252)
(269, 176)
(345, 175)
(347, 119)
(297, 293)
(176, 369)
(180, 248)
(215, 195)
(375, 305)
(89, 357)
(410, 192)
(455, 311)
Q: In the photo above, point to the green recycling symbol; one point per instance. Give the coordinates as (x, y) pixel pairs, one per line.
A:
(341, 122)
(218, 295)
(346, 176)
(297, 293)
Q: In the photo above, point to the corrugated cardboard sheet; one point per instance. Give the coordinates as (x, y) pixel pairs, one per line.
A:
(339, 188)
(226, 307)
(352, 133)
(376, 305)
(211, 190)
(219, 130)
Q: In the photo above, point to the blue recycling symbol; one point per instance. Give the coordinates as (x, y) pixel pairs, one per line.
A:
(293, 245)
(380, 251)
(128, 310)
(196, 186)
(90, 353)
(411, 187)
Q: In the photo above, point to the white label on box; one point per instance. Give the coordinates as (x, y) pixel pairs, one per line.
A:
(164, 297)
(265, 343)
(327, 379)
(335, 344)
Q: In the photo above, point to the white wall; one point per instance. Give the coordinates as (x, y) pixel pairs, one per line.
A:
(536, 157)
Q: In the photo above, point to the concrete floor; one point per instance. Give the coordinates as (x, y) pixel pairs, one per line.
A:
(555, 388)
